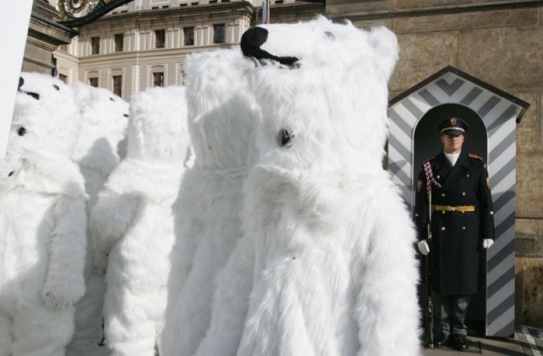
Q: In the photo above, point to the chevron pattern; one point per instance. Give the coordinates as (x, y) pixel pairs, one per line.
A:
(499, 116)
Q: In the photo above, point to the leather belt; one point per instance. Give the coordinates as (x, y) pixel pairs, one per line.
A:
(461, 208)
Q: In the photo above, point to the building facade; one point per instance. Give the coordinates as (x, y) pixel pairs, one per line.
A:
(500, 42)
(145, 43)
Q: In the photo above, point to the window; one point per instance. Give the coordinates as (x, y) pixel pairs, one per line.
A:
(188, 34)
(93, 82)
(160, 37)
(218, 33)
(118, 85)
(95, 45)
(158, 79)
(63, 77)
(119, 42)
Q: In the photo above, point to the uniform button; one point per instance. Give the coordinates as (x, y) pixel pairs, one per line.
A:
(438, 176)
(467, 175)
(443, 212)
(443, 195)
(443, 228)
(463, 194)
(463, 228)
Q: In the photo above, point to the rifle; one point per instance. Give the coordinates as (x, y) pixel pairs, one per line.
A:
(428, 266)
(429, 261)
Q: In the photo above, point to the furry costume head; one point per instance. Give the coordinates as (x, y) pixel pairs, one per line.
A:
(154, 137)
(222, 111)
(104, 118)
(46, 118)
(43, 135)
(323, 91)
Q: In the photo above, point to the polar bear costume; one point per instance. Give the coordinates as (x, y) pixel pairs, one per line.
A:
(133, 221)
(222, 120)
(42, 222)
(104, 118)
(335, 269)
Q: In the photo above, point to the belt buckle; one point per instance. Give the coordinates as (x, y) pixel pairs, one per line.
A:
(453, 208)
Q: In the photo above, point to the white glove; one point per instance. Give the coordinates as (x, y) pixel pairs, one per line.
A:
(423, 247)
(487, 243)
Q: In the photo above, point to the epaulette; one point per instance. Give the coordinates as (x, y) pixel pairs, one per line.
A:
(472, 156)
(428, 160)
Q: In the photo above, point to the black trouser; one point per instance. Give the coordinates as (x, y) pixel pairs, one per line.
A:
(450, 313)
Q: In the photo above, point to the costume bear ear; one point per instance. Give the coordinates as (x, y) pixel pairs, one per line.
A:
(386, 45)
(250, 44)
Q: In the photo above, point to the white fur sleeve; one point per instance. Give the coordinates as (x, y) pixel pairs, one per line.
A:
(387, 310)
(64, 284)
(111, 217)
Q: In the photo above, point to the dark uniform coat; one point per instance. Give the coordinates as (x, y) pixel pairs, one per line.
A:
(456, 236)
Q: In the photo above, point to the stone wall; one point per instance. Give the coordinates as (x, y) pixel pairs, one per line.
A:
(44, 36)
(500, 43)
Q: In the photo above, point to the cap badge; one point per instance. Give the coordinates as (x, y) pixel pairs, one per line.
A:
(453, 121)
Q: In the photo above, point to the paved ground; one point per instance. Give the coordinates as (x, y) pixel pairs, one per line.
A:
(527, 341)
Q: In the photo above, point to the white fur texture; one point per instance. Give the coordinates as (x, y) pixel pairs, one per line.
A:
(104, 118)
(133, 221)
(222, 120)
(335, 269)
(42, 222)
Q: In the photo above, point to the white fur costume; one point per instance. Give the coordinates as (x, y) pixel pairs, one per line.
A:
(222, 120)
(133, 221)
(104, 117)
(335, 269)
(42, 222)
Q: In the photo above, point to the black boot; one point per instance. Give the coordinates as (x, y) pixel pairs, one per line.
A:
(460, 342)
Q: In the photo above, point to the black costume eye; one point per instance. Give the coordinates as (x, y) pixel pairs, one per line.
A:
(112, 99)
(11, 173)
(125, 115)
(330, 35)
(21, 131)
(284, 138)
(56, 87)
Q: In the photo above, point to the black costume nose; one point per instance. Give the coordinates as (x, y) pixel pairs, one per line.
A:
(21, 82)
(250, 44)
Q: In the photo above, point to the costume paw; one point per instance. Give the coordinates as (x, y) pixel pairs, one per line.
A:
(100, 262)
(54, 298)
(487, 243)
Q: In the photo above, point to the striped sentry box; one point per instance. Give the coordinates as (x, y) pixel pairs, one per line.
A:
(499, 113)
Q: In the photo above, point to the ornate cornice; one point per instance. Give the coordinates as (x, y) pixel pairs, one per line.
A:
(76, 13)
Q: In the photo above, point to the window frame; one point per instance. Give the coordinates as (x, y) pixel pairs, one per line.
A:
(217, 40)
(162, 43)
(117, 88)
(192, 32)
(119, 47)
(95, 45)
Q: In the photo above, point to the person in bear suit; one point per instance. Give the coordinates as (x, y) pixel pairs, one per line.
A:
(462, 222)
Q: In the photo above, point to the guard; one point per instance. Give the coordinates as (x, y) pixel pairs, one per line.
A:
(462, 223)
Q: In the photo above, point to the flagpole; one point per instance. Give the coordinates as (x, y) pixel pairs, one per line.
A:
(265, 11)
(14, 21)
